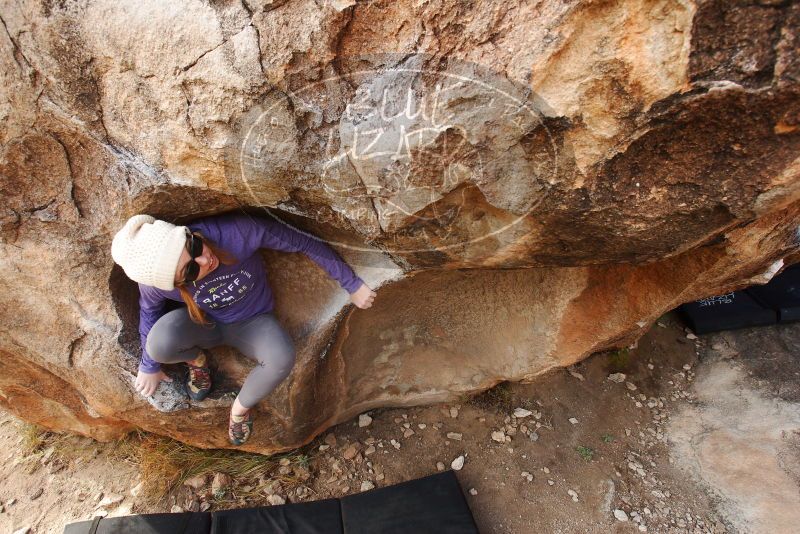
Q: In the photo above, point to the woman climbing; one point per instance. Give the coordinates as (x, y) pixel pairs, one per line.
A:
(213, 266)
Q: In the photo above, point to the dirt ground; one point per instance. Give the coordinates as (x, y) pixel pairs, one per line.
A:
(700, 435)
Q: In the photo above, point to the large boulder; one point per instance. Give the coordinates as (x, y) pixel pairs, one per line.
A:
(524, 183)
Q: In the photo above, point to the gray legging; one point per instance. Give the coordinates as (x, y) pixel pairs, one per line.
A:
(176, 338)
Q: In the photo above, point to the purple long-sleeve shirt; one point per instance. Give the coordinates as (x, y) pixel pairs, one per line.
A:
(236, 292)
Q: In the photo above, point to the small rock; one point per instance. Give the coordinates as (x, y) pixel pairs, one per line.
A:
(380, 476)
(110, 501)
(521, 413)
(23, 530)
(350, 452)
(196, 482)
(36, 494)
(550, 482)
(534, 436)
(47, 455)
(620, 515)
(439, 466)
(55, 467)
(137, 489)
(176, 509)
(276, 500)
(221, 483)
(11, 502)
(395, 444)
(546, 470)
(458, 463)
(422, 426)
(573, 420)
(369, 450)
(527, 476)
(364, 420)
(499, 436)
(631, 386)
(408, 433)
(324, 447)
(204, 507)
(330, 439)
(576, 374)
(453, 412)
(619, 378)
(367, 485)
(573, 494)
(271, 487)
(473, 491)
(454, 436)
(691, 336)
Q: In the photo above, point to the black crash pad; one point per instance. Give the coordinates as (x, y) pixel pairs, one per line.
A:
(781, 294)
(430, 505)
(727, 312)
(433, 504)
(185, 523)
(317, 517)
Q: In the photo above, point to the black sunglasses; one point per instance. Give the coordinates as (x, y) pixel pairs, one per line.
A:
(194, 245)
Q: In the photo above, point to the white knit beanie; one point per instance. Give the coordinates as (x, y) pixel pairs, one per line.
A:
(148, 250)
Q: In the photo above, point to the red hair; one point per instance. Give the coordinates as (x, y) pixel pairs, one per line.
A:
(195, 313)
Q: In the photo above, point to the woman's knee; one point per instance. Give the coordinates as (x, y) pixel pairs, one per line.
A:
(163, 340)
(285, 359)
(280, 359)
(160, 345)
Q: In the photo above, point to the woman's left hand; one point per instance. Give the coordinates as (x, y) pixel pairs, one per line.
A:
(363, 297)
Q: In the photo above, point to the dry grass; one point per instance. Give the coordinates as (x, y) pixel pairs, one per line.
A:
(33, 438)
(38, 442)
(164, 464)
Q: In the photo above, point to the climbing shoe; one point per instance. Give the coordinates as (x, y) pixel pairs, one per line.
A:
(240, 427)
(198, 383)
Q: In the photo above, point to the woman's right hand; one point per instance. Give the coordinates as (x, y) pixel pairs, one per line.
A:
(147, 383)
